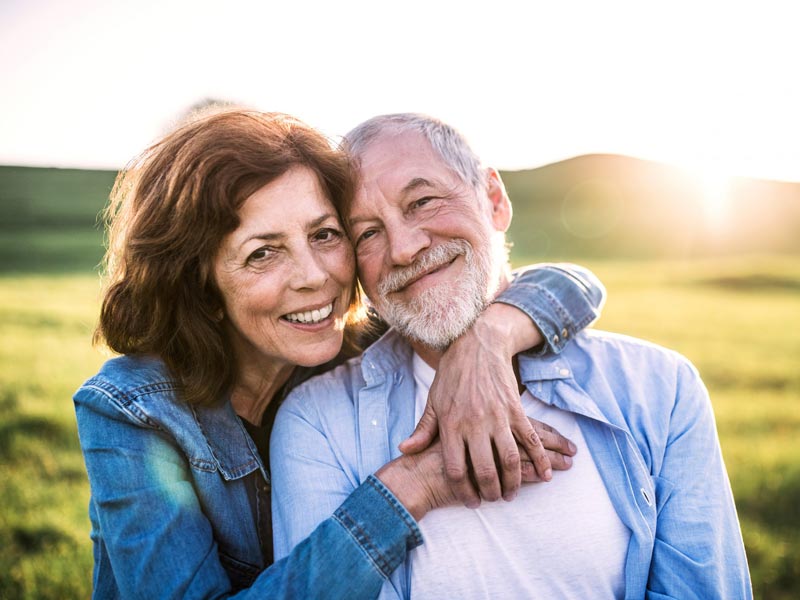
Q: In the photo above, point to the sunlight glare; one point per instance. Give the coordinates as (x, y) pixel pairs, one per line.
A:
(716, 197)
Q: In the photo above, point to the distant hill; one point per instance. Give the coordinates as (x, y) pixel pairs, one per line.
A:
(48, 218)
(588, 206)
(603, 205)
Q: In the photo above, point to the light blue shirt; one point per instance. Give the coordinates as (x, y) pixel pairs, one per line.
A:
(643, 411)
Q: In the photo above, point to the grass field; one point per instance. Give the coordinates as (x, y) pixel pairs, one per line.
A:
(738, 320)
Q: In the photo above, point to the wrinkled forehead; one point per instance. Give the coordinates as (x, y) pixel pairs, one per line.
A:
(393, 162)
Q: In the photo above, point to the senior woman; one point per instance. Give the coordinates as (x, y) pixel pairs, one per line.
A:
(229, 280)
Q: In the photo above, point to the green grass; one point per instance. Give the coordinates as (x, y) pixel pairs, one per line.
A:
(738, 320)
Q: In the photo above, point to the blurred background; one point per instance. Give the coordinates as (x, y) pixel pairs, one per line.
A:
(659, 145)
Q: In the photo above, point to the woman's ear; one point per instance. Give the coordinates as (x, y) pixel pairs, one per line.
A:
(499, 201)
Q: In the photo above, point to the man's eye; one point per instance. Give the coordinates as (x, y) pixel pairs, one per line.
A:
(422, 202)
(366, 235)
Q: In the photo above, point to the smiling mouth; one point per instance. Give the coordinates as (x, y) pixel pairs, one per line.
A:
(310, 316)
(419, 276)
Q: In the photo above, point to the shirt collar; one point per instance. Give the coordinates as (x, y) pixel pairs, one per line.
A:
(390, 354)
(543, 368)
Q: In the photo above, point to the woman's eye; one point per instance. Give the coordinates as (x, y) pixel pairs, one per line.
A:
(260, 255)
(422, 202)
(327, 234)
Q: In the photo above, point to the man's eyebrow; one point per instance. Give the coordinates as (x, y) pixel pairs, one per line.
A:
(356, 220)
(415, 184)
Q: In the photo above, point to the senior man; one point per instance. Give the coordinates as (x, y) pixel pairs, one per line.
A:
(646, 509)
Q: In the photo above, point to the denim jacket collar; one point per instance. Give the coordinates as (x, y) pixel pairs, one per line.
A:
(231, 445)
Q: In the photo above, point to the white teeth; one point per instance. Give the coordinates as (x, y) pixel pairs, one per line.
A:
(311, 316)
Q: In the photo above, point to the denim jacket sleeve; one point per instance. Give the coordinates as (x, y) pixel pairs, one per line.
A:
(153, 540)
(560, 298)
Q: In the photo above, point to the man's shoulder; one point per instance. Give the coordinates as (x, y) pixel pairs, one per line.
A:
(631, 373)
(627, 351)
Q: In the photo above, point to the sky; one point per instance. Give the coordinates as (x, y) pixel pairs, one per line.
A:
(708, 85)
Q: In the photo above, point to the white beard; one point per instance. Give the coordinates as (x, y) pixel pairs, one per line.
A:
(441, 313)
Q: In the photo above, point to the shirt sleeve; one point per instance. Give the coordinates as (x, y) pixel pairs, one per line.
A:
(698, 551)
(161, 545)
(561, 299)
(309, 481)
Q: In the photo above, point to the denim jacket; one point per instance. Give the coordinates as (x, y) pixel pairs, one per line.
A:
(180, 497)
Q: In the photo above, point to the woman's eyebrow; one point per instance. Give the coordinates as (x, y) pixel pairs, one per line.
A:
(269, 237)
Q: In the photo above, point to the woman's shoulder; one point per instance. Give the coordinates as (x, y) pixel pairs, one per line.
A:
(137, 384)
(132, 373)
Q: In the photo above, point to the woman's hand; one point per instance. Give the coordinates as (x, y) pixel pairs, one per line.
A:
(420, 484)
(474, 406)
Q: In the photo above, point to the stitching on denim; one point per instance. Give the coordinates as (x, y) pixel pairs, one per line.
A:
(375, 556)
(125, 403)
(398, 508)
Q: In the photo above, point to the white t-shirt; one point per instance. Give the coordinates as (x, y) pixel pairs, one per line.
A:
(561, 539)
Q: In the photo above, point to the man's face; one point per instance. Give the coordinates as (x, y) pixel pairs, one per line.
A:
(429, 247)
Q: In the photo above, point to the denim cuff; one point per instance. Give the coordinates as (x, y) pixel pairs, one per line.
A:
(380, 524)
(561, 300)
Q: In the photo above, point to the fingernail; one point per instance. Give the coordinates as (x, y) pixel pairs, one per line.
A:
(473, 503)
(568, 461)
(548, 474)
(572, 447)
(509, 496)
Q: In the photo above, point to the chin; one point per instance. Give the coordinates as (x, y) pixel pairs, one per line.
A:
(319, 356)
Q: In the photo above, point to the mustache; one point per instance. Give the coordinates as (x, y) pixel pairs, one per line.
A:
(432, 259)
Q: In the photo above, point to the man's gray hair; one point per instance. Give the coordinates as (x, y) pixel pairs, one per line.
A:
(445, 140)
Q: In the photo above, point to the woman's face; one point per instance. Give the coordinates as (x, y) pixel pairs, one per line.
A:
(286, 274)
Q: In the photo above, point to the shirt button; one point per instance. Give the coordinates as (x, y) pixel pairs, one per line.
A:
(564, 333)
(374, 422)
(555, 339)
(564, 372)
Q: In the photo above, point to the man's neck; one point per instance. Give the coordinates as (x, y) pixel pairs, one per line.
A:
(429, 355)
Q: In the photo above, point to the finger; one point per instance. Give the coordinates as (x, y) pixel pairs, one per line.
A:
(508, 461)
(552, 440)
(528, 472)
(424, 433)
(559, 462)
(455, 470)
(484, 468)
(529, 440)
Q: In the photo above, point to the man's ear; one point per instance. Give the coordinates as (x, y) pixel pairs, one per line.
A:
(498, 199)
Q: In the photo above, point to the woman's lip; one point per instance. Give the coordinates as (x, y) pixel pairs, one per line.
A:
(310, 308)
(323, 324)
(309, 325)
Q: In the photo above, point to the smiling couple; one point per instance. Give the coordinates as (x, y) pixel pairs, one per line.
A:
(231, 281)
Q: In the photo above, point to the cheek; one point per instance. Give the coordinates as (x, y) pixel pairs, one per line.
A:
(341, 265)
(368, 273)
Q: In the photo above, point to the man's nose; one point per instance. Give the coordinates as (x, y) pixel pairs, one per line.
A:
(406, 242)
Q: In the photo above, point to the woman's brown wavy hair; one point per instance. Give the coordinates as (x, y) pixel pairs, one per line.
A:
(168, 213)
